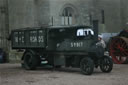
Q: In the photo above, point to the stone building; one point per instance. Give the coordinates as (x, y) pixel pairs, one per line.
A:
(29, 13)
(16, 14)
(124, 13)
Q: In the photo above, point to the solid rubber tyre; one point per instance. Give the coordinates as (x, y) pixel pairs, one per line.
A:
(87, 66)
(106, 64)
(30, 61)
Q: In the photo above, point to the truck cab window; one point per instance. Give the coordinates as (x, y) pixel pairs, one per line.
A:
(84, 32)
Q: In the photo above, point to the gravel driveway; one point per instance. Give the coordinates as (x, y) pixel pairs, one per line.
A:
(13, 74)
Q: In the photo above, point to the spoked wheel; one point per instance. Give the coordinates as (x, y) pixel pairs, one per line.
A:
(106, 64)
(30, 61)
(119, 50)
(87, 66)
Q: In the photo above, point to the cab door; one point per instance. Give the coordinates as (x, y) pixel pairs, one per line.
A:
(54, 38)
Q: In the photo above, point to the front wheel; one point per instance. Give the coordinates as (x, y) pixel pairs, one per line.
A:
(87, 66)
(106, 64)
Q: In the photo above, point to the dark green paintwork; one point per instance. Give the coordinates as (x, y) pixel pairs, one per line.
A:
(28, 38)
(66, 39)
(55, 39)
(59, 45)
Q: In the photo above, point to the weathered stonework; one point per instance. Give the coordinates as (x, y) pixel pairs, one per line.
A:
(4, 26)
(16, 14)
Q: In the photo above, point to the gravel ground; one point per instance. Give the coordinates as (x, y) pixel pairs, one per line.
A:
(13, 74)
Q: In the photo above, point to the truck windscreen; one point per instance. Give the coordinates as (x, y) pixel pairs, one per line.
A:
(84, 32)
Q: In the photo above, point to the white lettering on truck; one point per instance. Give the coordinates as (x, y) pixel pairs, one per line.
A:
(76, 44)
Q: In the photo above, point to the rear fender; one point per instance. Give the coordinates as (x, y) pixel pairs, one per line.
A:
(29, 50)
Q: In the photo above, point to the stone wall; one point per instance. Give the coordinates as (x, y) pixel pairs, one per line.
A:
(124, 13)
(30, 13)
(85, 8)
(42, 12)
(21, 14)
(81, 8)
(33, 13)
(112, 15)
(4, 27)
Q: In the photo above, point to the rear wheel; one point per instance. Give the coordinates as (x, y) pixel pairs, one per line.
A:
(58, 66)
(87, 66)
(119, 50)
(30, 61)
(106, 64)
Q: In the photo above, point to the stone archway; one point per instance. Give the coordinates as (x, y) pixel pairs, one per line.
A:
(68, 15)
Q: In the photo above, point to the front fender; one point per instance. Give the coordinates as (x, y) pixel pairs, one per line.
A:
(97, 50)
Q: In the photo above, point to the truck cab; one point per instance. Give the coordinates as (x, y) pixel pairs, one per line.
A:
(70, 39)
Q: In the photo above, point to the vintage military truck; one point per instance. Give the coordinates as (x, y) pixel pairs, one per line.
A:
(73, 46)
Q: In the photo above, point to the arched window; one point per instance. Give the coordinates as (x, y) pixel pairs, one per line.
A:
(67, 17)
